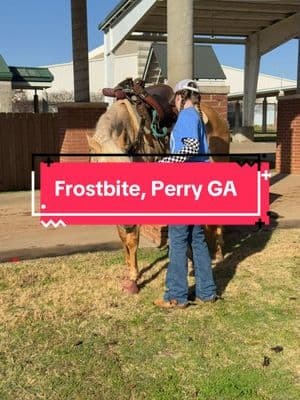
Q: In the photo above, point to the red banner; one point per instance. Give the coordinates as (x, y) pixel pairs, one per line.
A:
(154, 193)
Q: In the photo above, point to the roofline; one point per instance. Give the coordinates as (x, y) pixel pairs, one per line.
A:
(28, 85)
(56, 65)
(114, 14)
(218, 69)
(5, 73)
(96, 51)
(17, 76)
(260, 93)
(23, 66)
(261, 74)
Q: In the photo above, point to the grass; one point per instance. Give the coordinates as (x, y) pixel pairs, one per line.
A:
(68, 332)
(261, 137)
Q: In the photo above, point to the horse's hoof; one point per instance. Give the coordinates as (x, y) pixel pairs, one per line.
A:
(130, 287)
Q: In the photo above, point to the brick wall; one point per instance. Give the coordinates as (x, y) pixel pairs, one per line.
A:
(218, 102)
(75, 122)
(288, 135)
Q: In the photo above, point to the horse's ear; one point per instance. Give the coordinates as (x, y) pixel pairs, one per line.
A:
(94, 146)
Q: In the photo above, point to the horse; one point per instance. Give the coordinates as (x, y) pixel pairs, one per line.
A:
(122, 130)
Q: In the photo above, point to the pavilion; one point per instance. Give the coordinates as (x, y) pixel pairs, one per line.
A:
(25, 78)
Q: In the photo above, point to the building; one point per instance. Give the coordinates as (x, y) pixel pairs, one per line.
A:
(136, 58)
(130, 60)
(18, 78)
(133, 59)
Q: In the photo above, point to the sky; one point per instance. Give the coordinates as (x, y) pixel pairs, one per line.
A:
(38, 32)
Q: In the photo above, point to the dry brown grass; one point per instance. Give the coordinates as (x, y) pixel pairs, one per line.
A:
(64, 319)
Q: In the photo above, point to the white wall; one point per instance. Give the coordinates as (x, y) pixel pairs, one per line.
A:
(96, 69)
(126, 65)
(63, 77)
(235, 79)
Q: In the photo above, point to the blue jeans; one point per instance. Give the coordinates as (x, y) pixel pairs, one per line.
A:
(177, 281)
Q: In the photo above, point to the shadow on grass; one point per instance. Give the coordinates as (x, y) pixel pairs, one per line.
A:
(143, 271)
(240, 243)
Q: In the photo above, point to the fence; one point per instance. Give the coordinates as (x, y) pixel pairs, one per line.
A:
(22, 134)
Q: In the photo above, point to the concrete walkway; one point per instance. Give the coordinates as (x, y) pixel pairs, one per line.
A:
(253, 147)
(22, 236)
(285, 199)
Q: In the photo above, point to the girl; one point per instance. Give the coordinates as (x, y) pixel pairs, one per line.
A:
(187, 139)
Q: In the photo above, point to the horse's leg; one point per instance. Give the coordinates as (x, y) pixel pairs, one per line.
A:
(133, 243)
(214, 237)
(219, 257)
(129, 235)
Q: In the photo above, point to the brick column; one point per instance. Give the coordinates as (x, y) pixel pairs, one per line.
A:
(288, 135)
(216, 97)
(75, 121)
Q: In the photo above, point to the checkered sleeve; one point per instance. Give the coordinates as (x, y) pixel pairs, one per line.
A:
(190, 148)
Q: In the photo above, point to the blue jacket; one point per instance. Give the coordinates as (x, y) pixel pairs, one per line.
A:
(189, 125)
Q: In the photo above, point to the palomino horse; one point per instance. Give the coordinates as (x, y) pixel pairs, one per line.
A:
(117, 131)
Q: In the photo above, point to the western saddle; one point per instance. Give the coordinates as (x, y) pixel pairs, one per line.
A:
(152, 103)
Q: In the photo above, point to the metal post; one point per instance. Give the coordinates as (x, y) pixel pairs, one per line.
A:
(36, 102)
(237, 115)
(45, 104)
(180, 22)
(264, 115)
(298, 70)
(109, 67)
(275, 114)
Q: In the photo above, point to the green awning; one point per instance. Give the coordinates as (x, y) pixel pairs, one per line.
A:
(31, 74)
(5, 73)
(25, 77)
